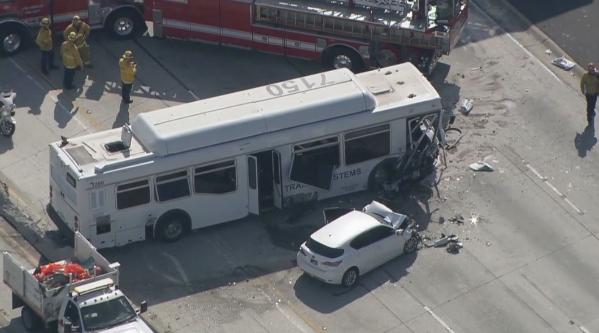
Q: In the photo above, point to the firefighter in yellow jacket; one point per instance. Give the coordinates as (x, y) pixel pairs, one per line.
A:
(81, 30)
(589, 86)
(70, 59)
(45, 43)
(128, 69)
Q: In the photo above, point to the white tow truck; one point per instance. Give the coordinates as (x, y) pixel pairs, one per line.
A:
(90, 304)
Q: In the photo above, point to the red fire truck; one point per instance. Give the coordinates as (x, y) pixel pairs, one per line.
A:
(122, 18)
(341, 33)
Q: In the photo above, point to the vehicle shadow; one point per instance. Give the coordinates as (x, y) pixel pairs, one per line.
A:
(585, 141)
(15, 325)
(6, 144)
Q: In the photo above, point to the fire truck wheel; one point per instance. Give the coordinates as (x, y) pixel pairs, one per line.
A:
(30, 320)
(11, 40)
(172, 226)
(343, 57)
(124, 23)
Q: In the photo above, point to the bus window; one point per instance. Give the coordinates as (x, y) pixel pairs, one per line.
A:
(172, 186)
(314, 162)
(216, 178)
(132, 194)
(71, 180)
(366, 144)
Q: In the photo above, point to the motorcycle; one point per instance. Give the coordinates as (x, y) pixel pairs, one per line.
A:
(8, 123)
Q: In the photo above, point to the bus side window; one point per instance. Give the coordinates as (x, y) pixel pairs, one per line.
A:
(173, 185)
(132, 194)
(314, 162)
(216, 178)
(366, 144)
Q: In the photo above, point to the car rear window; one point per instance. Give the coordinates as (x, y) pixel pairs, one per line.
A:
(322, 249)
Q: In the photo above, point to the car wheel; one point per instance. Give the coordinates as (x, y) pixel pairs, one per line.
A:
(350, 277)
(172, 227)
(7, 128)
(30, 320)
(411, 245)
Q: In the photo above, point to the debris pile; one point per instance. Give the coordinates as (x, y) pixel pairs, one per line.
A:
(59, 273)
(563, 63)
(481, 166)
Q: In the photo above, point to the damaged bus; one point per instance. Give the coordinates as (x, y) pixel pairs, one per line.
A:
(217, 160)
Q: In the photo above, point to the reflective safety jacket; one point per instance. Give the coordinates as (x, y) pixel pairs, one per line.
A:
(82, 33)
(589, 84)
(70, 55)
(44, 39)
(128, 70)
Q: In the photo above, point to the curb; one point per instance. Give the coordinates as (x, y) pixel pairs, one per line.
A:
(523, 21)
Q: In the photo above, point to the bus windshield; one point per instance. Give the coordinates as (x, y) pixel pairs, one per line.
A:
(107, 314)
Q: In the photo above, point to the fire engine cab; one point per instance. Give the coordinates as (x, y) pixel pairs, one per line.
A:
(122, 18)
(341, 33)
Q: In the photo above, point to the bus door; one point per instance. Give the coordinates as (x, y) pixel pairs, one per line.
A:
(277, 183)
(253, 192)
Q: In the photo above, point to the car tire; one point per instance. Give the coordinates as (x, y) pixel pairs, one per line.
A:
(30, 320)
(172, 227)
(411, 245)
(350, 277)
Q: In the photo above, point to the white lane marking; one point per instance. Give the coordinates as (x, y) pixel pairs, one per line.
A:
(516, 42)
(437, 318)
(178, 267)
(553, 188)
(535, 172)
(48, 91)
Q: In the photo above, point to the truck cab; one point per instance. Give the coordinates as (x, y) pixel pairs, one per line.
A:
(99, 307)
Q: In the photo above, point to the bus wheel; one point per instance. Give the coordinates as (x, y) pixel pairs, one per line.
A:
(30, 320)
(381, 174)
(342, 57)
(172, 226)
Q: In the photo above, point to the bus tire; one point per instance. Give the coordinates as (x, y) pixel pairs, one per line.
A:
(173, 225)
(342, 57)
(12, 38)
(124, 23)
(30, 320)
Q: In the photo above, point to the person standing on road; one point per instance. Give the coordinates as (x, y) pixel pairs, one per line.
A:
(589, 86)
(81, 30)
(128, 69)
(45, 43)
(70, 59)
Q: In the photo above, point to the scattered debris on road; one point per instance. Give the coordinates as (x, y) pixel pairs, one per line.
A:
(548, 52)
(474, 219)
(467, 105)
(457, 219)
(563, 63)
(454, 247)
(481, 166)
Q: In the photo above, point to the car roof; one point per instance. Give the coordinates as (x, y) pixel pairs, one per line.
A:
(343, 229)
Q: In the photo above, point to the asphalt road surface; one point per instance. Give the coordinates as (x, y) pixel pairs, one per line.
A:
(572, 24)
(529, 261)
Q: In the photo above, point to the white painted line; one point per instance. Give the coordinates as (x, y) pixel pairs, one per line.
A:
(517, 43)
(555, 190)
(178, 267)
(535, 172)
(584, 330)
(437, 318)
(578, 210)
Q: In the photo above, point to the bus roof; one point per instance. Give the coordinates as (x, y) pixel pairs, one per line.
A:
(275, 107)
(400, 89)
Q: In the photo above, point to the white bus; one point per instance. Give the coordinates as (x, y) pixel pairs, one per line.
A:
(220, 159)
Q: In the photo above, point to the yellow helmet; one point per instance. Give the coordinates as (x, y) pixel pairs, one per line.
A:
(45, 22)
(72, 36)
(128, 54)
